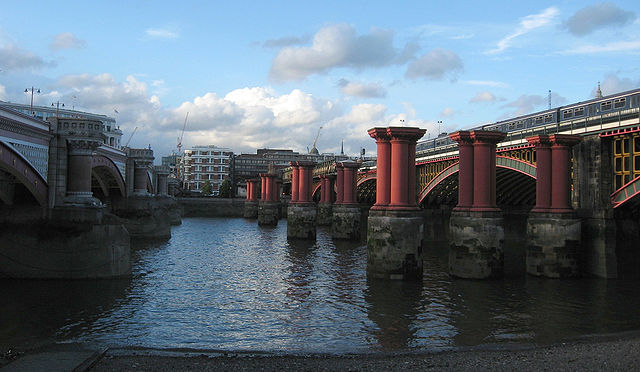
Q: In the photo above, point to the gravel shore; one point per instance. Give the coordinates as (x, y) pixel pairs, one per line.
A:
(602, 353)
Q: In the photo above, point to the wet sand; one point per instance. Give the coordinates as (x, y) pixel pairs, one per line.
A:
(598, 353)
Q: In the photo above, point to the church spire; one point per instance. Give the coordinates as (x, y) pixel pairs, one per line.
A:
(342, 148)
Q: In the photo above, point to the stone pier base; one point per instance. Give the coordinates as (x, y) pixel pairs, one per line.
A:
(145, 216)
(476, 244)
(553, 242)
(394, 244)
(268, 213)
(250, 209)
(346, 222)
(301, 221)
(325, 214)
(76, 243)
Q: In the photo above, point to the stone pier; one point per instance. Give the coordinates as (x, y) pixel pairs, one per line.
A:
(476, 225)
(168, 202)
(395, 224)
(345, 222)
(301, 214)
(78, 238)
(269, 205)
(325, 207)
(553, 228)
(145, 216)
(251, 204)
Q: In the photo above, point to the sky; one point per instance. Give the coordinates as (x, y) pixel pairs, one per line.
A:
(269, 74)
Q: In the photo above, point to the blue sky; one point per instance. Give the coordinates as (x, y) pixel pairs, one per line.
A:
(256, 74)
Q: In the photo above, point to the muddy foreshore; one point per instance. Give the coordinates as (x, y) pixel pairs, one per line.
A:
(593, 353)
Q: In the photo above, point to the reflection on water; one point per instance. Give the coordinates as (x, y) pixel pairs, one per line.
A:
(230, 284)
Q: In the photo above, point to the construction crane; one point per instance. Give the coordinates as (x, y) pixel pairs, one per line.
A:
(314, 149)
(131, 136)
(179, 146)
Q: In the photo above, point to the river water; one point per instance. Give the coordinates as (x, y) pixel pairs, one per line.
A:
(229, 284)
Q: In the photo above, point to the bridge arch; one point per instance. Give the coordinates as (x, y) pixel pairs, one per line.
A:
(366, 188)
(14, 163)
(627, 193)
(106, 176)
(515, 184)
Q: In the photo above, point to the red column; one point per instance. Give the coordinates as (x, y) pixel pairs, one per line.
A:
(561, 172)
(305, 181)
(349, 182)
(254, 189)
(402, 163)
(330, 183)
(465, 169)
(383, 166)
(324, 190)
(263, 187)
(543, 172)
(248, 190)
(339, 183)
(295, 174)
(484, 172)
(276, 189)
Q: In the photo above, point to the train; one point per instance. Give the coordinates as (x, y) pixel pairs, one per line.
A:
(579, 115)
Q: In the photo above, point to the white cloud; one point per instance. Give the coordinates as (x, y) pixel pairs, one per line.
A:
(161, 33)
(3, 93)
(593, 17)
(526, 25)
(285, 42)
(362, 90)
(338, 46)
(67, 40)
(16, 58)
(617, 46)
(485, 96)
(434, 65)
(528, 104)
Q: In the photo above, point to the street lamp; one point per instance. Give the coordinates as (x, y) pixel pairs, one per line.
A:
(32, 89)
(57, 104)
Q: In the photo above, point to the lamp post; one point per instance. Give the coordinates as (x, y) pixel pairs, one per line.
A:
(439, 124)
(57, 107)
(32, 89)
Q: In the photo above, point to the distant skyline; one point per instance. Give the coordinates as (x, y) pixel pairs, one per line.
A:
(269, 74)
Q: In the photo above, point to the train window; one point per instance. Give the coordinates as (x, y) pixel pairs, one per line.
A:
(578, 111)
(567, 114)
(539, 120)
(548, 118)
(512, 126)
(604, 106)
(620, 102)
(519, 124)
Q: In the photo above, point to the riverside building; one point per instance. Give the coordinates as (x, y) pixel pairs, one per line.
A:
(206, 163)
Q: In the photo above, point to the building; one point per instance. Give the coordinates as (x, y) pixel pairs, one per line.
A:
(113, 134)
(202, 163)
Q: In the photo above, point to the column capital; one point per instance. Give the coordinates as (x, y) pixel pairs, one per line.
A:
(539, 140)
(564, 139)
(350, 164)
(405, 133)
(380, 134)
(461, 136)
(491, 137)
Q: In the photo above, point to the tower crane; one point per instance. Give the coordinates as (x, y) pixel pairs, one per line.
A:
(131, 136)
(179, 146)
(314, 149)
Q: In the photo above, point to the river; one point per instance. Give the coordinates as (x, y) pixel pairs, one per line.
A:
(229, 284)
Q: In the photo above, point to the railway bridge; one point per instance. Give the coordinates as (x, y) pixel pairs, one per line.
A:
(61, 183)
(584, 173)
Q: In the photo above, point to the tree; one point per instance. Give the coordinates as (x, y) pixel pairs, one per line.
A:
(206, 188)
(225, 189)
